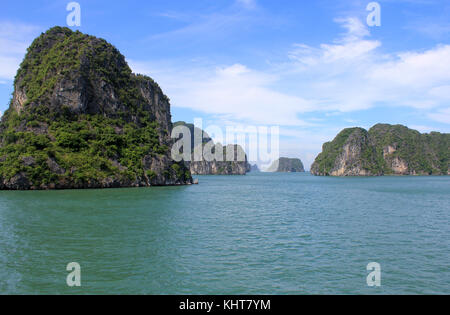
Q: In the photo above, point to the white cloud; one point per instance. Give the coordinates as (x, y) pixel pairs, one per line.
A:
(234, 92)
(249, 4)
(427, 69)
(245, 94)
(14, 40)
(199, 27)
(351, 47)
(349, 74)
(442, 92)
(442, 115)
(352, 74)
(421, 128)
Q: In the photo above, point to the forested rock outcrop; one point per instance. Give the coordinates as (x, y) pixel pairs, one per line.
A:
(80, 118)
(384, 150)
(236, 163)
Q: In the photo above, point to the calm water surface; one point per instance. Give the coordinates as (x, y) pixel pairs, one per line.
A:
(258, 234)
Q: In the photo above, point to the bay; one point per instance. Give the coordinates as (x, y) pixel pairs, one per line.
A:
(255, 234)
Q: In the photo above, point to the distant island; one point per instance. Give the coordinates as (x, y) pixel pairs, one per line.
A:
(79, 118)
(254, 168)
(215, 167)
(384, 150)
(287, 165)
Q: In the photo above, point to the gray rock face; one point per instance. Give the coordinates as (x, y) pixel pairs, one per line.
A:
(349, 162)
(158, 105)
(237, 165)
(228, 167)
(384, 150)
(287, 165)
(19, 181)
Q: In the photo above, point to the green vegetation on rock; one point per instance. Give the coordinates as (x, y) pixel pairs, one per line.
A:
(425, 154)
(384, 150)
(236, 166)
(79, 118)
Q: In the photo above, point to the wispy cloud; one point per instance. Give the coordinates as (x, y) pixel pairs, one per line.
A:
(216, 23)
(421, 128)
(248, 4)
(348, 74)
(205, 26)
(14, 40)
(432, 29)
(352, 74)
(442, 115)
(235, 92)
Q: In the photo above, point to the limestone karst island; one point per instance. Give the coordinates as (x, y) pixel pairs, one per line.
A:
(384, 150)
(79, 118)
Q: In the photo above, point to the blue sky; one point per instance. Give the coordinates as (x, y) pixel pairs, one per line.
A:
(310, 67)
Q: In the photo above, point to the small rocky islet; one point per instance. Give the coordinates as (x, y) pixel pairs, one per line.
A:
(287, 165)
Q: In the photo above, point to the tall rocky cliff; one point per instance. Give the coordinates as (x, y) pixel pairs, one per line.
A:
(384, 150)
(238, 165)
(287, 165)
(79, 118)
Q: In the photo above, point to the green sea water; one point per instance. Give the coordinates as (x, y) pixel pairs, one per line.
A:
(256, 234)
